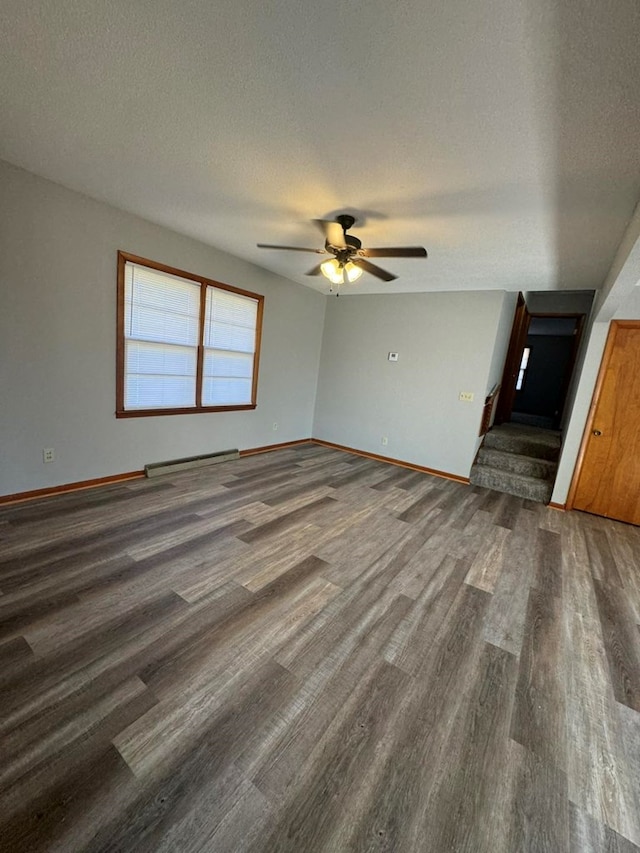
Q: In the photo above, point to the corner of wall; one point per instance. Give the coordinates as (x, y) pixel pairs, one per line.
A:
(319, 366)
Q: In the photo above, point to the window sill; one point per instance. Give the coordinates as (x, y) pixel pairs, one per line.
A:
(191, 410)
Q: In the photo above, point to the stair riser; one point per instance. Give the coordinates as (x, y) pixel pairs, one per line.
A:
(501, 481)
(542, 469)
(513, 444)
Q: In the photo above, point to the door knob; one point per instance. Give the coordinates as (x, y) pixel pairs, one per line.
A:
(597, 432)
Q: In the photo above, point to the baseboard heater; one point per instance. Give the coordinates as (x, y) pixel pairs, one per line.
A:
(155, 469)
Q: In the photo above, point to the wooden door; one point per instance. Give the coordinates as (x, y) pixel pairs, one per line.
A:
(512, 364)
(608, 482)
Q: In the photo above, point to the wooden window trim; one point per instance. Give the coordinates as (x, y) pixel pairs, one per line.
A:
(121, 412)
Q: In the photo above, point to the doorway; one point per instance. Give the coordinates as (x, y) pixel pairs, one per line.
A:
(519, 454)
(539, 367)
(545, 370)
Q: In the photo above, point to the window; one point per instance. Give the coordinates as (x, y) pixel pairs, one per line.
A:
(523, 368)
(185, 343)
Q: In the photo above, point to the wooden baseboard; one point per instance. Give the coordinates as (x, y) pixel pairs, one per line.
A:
(553, 505)
(18, 497)
(269, 447)
(421, 468)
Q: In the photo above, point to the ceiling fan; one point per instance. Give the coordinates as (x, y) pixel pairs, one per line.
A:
(349, 258)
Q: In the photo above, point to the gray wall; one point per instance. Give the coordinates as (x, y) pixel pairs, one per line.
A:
(630, 310)
(503, 334)
(447, 343)
(623, 276)
(58, 334)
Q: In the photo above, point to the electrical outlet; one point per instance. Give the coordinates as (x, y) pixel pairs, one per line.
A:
(384, 440)
(275, 425)
(393, 356)
(466, 396)
(48, 454)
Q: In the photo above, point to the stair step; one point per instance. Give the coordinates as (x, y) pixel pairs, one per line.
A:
(541, 433)
(520, 485)
(517, 463)
(523, 443)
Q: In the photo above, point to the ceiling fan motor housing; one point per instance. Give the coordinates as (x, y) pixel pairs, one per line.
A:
(353, 244)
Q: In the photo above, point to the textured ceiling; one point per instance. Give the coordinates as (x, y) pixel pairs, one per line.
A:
(503, 135)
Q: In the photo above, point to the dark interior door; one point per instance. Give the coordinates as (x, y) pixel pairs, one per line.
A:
(545, 380)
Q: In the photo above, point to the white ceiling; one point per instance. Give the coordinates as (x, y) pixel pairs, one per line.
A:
(503, 135)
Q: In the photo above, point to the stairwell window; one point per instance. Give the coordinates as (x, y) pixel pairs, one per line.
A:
(523, 368)
(185, 343)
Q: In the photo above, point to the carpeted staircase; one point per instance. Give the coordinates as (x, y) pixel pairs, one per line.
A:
(519, 460)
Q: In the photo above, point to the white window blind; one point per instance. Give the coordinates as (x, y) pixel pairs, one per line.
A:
(229, 348)
(172, 357)
(161, 328)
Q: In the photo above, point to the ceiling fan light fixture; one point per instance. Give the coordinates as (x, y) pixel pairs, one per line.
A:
(353, 272)
(333, 271)
(338, 272)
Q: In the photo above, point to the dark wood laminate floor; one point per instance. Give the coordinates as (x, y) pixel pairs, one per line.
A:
(310, 651)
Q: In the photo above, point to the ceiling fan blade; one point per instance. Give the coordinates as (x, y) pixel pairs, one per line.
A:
(290, 248)
(395, 252)
(315, 271)
(374, 270)
(333, 233)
